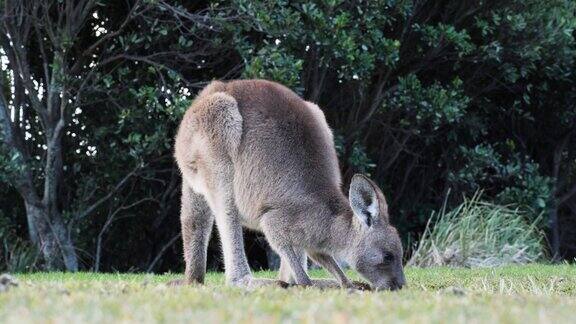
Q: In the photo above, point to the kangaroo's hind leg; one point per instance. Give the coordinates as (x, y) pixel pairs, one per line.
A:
(196, 220)
(230, 229)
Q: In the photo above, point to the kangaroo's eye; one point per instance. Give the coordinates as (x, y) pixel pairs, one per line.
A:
(388, 257)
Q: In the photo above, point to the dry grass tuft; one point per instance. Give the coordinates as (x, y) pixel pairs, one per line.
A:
(479, 234)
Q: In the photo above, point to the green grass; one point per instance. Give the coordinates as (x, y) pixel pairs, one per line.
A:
(514, 294)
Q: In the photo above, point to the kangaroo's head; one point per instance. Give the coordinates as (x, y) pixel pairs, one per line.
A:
(377, 250)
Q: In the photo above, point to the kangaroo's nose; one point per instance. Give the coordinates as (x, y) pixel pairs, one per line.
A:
(392, 285)
(400, 279)
(395, 285)
(398, 283)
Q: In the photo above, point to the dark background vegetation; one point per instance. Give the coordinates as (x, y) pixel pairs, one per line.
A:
(434, 99)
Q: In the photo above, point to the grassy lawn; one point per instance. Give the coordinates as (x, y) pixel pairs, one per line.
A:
(519, 294)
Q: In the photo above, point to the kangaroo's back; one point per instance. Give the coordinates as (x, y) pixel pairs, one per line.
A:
(285, 150)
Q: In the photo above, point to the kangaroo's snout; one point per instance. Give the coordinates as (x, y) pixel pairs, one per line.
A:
(398, 283)
(392, 284)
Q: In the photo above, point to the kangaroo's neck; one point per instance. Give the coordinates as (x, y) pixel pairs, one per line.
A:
(343, 229)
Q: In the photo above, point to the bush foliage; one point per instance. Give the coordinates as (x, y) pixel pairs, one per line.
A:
(428, 97)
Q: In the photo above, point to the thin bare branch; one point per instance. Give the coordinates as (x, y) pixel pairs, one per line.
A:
(162, 251)
(111, 193)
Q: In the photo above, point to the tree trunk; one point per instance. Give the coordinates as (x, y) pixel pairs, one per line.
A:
(52, 238)
(31, 220)
(553, 224)
(554, 232)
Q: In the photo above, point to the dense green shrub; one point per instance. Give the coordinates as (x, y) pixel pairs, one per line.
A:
(431, 96)
(428, 97)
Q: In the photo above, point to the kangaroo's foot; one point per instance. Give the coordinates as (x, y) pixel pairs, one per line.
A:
(321, 284)
(248, 283)
(251, 283)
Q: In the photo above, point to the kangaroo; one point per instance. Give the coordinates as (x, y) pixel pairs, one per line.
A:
(254, 154)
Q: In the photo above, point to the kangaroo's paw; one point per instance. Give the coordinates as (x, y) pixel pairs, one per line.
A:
(359, 285)
(333, 284)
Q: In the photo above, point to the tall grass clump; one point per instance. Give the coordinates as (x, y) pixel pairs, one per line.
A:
(16, 255)
(479, 234)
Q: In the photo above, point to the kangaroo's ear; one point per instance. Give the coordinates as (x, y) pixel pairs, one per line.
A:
(364, 200)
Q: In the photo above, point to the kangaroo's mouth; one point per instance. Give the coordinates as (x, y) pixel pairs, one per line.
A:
(392, 285)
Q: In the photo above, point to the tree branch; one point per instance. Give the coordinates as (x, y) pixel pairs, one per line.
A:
(566, 196)
(118, 186)
(90, 50)
(162, 251)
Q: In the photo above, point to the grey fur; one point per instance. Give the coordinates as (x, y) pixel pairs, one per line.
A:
(254, 154)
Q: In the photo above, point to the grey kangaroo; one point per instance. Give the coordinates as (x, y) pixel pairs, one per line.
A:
(253, 153)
